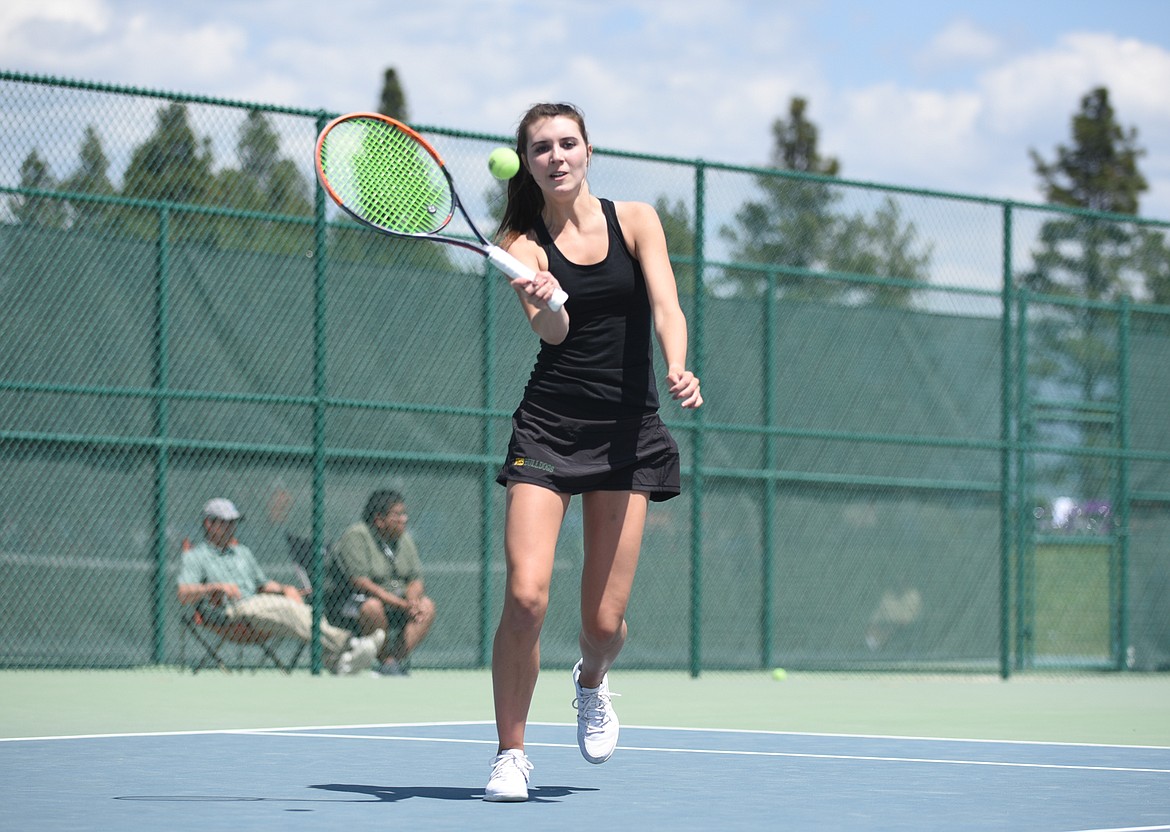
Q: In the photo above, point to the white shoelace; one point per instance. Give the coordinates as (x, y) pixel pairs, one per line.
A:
(519, 761)
(594, 707)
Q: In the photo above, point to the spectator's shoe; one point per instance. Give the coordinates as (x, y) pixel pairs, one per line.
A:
(509, 780)
(391, 667)
(361, 653)
(597, 723)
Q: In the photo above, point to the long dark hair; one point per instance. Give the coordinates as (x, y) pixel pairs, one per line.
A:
(525, 200)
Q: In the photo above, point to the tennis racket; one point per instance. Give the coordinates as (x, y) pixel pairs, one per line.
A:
(388, 177)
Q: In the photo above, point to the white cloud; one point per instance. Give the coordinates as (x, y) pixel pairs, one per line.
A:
(1031, 101)
(672, 79)
(1048, 85)
(33, 32)
(961, 42)
(210, 53)
(915, 136)
(975, 139)
(93, 15)
(84, 39)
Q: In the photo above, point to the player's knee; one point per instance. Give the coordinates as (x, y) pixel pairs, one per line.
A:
(602, 631)
(525, 610)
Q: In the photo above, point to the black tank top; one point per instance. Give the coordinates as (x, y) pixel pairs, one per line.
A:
(604, 368)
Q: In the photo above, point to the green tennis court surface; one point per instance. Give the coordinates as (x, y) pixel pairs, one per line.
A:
(163, 749)
(1105, 708)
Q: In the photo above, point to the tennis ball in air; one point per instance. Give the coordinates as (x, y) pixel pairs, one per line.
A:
(779, 674)
(504, 163)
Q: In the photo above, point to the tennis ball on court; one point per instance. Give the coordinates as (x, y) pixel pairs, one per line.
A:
(779, 674)
(504, 163)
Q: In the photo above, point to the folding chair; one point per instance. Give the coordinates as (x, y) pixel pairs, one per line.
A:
(300, 550)
(215, 633)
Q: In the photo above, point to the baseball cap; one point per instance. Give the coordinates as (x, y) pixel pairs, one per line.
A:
(221, 509)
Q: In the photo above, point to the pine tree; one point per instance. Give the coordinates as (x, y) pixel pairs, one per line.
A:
(393, 100)
(1099, 171)
(172, 165)
(795, 230)
(1085, 256)
(264, 182)
(358, 244)
(1073, 348)
(91, 177)
(789, 226)
(680, 241)
(44, 212)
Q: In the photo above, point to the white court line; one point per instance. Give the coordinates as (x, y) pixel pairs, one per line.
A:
(446, 723)
(301, 731)
(315, 731)
(213, 731)
(1127, 829)
(727, 753)
(884, 737)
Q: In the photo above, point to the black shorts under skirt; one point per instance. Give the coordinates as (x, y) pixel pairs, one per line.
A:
(573, 456)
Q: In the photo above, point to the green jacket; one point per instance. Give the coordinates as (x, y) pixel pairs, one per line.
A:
(360, 553)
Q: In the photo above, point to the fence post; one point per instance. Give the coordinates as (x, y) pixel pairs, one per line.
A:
(162, 371)
(696, 362)
(488, 479)
(768, 544)
(320, 388)
(1022, 601)
(1006, 451)
(1121, 530)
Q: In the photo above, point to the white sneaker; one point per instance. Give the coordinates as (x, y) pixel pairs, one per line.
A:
(509, 780)
(361, 653)
(597, 723)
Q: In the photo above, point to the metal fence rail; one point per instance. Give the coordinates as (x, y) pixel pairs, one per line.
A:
(910, 457)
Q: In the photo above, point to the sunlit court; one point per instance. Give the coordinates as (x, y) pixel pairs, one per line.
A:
(341, 399)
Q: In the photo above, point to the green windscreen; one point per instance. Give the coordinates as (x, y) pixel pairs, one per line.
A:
(871, 483)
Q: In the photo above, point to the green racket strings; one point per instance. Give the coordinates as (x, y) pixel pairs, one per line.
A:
(385, 177)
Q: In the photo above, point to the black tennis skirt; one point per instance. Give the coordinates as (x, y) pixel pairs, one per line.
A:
(573, 456)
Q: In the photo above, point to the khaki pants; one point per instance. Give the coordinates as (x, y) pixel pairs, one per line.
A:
(281, 616)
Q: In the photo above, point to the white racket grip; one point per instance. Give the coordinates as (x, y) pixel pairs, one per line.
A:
(516, 270)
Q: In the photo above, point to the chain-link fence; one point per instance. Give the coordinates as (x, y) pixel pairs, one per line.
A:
(923, 446)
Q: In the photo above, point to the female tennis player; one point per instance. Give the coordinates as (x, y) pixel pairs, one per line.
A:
(588, 423)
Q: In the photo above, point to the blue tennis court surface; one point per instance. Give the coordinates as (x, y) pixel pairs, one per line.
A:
(431, 776)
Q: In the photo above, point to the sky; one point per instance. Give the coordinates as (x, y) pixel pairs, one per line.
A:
(933, 94)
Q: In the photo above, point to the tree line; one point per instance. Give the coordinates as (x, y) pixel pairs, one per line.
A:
(792, 238)
(786, 236)
(174, 166)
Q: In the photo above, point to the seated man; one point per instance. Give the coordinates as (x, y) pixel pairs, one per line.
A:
(375, 576)
(221, 574)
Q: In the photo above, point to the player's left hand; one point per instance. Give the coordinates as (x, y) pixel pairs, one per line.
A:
(684, 387)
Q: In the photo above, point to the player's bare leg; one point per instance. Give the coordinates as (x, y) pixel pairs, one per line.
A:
(614, 522)
(533, 521)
